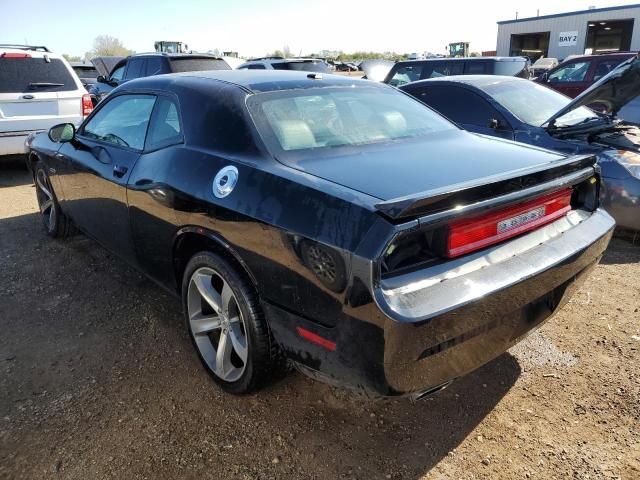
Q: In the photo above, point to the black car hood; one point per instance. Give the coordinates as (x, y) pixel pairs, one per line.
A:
(612, 92)
(104, 65)
(406, 167)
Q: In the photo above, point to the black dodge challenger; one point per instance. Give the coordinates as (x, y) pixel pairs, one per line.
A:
(332, 222)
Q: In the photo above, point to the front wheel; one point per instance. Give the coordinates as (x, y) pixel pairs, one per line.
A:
(226, 324)
(56, 224)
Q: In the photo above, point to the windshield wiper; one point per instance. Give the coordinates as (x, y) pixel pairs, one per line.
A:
(582, 126)
(581, 122)
(45, 84)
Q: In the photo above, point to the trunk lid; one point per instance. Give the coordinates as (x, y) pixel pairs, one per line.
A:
(39, 110)
(404, 172)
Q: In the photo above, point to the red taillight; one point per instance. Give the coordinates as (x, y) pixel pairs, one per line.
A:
(317, 339)
(15, 55)
(87, 105)
(468, 235)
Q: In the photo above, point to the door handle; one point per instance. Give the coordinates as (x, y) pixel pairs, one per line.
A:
(119, 170)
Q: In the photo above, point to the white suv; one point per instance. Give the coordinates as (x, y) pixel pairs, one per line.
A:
(280, 63)
(38, 89)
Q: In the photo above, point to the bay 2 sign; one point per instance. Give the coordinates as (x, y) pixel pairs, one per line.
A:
(567, 39)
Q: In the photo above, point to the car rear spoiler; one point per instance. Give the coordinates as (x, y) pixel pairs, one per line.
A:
(463, 194)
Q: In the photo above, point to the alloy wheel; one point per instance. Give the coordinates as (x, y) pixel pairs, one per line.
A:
(45, 199)
(217, 324)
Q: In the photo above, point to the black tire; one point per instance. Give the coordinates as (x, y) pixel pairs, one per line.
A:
(263, 355)
(56, 223)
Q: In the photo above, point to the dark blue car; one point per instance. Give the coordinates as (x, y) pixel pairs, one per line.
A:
(518, 109)
(149, 64)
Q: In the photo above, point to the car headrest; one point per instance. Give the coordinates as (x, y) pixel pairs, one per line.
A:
(294, 135)
(394, 124)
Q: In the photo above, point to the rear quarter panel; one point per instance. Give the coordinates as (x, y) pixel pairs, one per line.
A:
(271, 211)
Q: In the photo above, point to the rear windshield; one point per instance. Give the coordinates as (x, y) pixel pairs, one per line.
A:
(308, 66)
(510, 68)
(197, 64)
(322, 118)
(404, 74)
(411, 72)
(86, 72)
(18, 75)
(544, 63)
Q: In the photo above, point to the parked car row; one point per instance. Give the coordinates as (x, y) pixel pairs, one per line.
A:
(39, 88)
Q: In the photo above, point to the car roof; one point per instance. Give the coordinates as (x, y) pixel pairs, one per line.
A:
(35, 52)
(283, 59)
(461, 59)
(174, 55)
(478, 81)
(605, 55)
(254, 81)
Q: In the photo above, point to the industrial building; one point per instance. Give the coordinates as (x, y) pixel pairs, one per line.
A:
(596, 30)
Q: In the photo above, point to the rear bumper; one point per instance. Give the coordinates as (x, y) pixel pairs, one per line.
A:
(451, 321)
(12, 143)
(424, 329)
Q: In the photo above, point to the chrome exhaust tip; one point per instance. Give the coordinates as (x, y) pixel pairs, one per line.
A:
(426, 393)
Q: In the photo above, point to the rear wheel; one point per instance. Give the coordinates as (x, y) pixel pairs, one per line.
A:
(56, 224)
(226, 324)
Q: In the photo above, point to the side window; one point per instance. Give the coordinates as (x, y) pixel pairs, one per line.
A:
(117, 73)
(456, 68)
(154, 66)
(574, 72)
(459, 105)
(165, 128)
(256, 66)
(135, 68)
(435, 69)
(122, 121)
(406, 74)
(604, 67)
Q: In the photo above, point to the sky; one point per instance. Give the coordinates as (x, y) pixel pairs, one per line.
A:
(254, 28)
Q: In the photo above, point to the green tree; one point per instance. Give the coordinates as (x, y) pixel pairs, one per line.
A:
(106, 45)
(276, 53)
(72, 58)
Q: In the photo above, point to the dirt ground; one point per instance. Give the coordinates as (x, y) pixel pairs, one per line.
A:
(98, 380)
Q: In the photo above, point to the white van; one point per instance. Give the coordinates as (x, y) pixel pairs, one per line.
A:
(38, 89)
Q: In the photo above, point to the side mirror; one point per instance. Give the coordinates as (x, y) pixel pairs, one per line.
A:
(494, 124)
(101, 79)
(62, 133)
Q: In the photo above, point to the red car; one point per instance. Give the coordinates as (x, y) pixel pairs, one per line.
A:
(574, 76)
